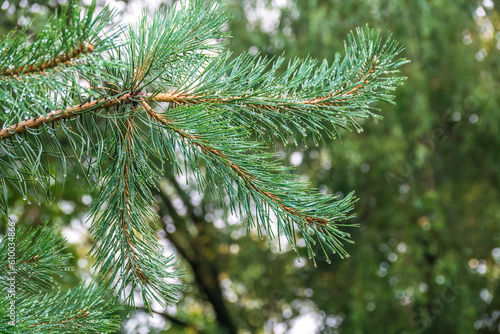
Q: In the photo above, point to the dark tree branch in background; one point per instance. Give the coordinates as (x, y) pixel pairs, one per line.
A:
(170, 318)
(204, 270)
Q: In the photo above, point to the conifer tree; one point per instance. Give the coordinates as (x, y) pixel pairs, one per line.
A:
(119, 103)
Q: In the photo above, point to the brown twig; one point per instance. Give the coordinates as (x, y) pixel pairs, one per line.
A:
(36, 258)
(59, 115)
(63, 59)
(131, 261)
(83, 314)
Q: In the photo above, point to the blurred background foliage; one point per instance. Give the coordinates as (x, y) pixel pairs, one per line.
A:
(427, 253)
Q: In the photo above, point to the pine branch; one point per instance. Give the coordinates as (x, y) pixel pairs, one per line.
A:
(84, 309)
(128, 254)
(287, 199)
(167, 43)
(162, 91)
(43, 75)
(333, 99)
(251, 181)
(305, 98)
(38, 258)
(70, 38)
(262, 96)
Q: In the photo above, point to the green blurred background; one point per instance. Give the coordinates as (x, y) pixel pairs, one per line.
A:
(426, 257)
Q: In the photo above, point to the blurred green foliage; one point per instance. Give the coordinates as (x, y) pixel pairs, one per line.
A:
(427, 254)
